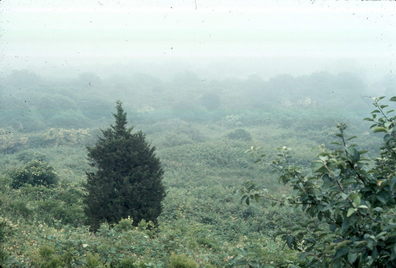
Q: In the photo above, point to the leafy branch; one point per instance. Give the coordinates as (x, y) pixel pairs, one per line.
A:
(350, 196)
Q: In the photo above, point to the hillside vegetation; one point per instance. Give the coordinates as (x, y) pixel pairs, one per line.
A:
(203, 132)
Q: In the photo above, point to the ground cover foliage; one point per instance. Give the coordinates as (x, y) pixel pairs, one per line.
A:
(202, 134)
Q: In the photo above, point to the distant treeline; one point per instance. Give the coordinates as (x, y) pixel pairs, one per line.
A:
(29, 102)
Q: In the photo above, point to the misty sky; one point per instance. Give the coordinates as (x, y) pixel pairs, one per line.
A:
(58, 33)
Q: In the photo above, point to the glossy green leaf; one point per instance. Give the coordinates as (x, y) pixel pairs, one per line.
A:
(379, 129)
(351, 211)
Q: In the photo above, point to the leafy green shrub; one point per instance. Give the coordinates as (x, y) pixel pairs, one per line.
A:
(34, 173)
(350, 200)
(239, 134)
(181, 261)
(124, 225)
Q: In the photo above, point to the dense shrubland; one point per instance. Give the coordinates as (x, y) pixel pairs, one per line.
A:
(202, 130)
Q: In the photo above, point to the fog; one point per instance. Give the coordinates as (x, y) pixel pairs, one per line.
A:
(163, 58)
(211, 38)
(197, 133)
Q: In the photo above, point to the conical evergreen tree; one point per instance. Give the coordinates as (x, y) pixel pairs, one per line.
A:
(127, 180)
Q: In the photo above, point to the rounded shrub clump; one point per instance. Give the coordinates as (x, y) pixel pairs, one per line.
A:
(35, 173)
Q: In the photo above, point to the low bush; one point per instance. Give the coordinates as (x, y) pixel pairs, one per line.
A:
(34, 173)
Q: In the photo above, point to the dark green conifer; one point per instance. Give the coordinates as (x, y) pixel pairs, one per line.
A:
(127, 180)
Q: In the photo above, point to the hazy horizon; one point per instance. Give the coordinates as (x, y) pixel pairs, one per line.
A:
(212, 38)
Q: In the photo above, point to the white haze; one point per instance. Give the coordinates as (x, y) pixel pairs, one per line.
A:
(211, 37)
